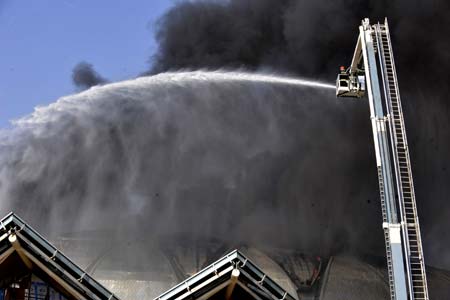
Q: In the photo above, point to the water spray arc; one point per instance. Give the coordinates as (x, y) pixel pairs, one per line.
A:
(373, 58)
(250, 77)
(223, 133)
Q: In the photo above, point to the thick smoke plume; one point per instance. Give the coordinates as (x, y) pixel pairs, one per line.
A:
(241, 160)
(84, 76)
(314, 38)
(303, 37)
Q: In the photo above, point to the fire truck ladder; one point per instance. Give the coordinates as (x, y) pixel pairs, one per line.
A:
(373, 70)
(415, 265)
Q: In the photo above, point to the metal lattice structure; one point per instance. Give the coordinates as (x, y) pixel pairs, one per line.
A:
(27, 248)
(373, 70)
(234, 269)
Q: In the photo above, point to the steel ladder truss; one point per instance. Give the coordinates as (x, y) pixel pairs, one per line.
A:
(412, 243)
(388, 218)
(374, 58)
(386, 234)
(406, 267)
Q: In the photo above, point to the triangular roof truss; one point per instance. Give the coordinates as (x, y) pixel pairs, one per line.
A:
(230, 271)
(16, 237)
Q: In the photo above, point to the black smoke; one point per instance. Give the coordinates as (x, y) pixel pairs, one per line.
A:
(302, 37)
(247, 161)
(84, 76)
(313, 38)
(215, 34)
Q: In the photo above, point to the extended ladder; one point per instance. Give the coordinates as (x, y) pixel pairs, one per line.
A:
(405, 188)
(373, 70)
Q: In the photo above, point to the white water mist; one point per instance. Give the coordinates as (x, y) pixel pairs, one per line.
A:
(231, 155)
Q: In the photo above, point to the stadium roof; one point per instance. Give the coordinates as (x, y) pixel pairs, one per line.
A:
(232, 276)
(22, 250)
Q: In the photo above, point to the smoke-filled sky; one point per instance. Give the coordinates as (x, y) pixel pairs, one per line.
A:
(43, 41)
(260, 151)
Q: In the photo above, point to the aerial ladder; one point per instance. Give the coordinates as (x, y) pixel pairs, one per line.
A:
(372, 69)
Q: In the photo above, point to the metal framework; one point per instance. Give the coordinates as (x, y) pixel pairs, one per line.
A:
(374, 58)
(38, 254)
(232, 269)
